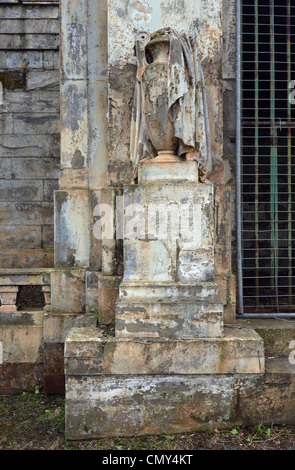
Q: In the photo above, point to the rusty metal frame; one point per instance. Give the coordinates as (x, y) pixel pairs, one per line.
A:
(238, 158)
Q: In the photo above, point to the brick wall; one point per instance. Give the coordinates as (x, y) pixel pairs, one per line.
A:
(29, 131)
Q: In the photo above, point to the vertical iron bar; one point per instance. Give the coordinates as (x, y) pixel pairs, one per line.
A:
(256, 156)
(273, 162)
(238, 163)
(289, 157)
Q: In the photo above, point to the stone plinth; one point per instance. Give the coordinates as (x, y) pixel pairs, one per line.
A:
(171, 310)
(151, 172)
(88, 351)
(170, 320)
(168, 289)
(119, 387)
(103, 406)
(169, 366)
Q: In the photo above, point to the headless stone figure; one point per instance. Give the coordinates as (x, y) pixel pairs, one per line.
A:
(170, 118)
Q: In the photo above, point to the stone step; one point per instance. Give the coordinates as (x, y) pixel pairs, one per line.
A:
(167, 292)
(169, 320)
(89, 351)
(278, 335)
(25, 276)
(21, 342)
(21, 318)
(280, 366)
(154, 172)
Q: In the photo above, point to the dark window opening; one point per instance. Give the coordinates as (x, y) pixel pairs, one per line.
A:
(268, 156)
(30, 297)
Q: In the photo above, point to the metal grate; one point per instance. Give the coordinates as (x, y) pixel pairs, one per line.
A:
(267, 131)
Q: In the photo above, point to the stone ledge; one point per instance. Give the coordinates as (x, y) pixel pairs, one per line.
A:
(89, 351)
(161, 292)
(58, 325)
(25, 276)
(169, 320)
(276, 333)
(22, 318)
(279, 366)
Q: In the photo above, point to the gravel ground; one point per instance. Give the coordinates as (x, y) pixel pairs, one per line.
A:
(36, 422)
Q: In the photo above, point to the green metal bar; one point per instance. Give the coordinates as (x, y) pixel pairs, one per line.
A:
(240, 151)
(289, 157)
(273, 162)
(256, 154)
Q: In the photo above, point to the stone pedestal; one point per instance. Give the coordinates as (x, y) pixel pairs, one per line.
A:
(169, 332)
(168, 289)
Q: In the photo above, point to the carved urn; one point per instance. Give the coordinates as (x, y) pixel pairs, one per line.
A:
(154, 79)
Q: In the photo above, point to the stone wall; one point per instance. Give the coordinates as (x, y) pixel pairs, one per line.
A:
(29, 128)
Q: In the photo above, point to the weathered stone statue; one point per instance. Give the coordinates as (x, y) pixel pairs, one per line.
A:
(170, 117)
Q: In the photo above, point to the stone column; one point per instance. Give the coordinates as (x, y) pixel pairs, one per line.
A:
(83, 172)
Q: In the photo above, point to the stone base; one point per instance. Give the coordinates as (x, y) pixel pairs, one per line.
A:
(110, 406)
(169, 320)
(167, 292)
(89, 351)
(56, 328)
(121, 387)
(21, 351)
(168, 310)
(20, 378)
